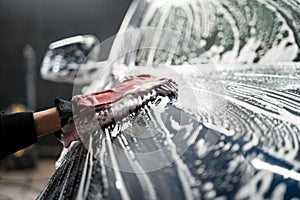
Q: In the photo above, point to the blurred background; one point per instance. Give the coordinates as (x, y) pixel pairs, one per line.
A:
(38, 23)
(27, 28)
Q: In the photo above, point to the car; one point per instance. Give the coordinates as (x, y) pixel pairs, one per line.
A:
(233, 133)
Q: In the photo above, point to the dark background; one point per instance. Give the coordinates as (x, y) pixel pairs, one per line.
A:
(38, 23)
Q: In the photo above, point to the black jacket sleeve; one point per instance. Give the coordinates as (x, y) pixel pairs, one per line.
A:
(17, 131)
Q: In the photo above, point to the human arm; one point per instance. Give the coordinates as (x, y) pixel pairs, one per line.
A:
(17, 131)
(20, 130)
(46, 121)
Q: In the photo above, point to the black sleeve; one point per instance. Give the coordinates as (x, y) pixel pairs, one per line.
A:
(17, 131)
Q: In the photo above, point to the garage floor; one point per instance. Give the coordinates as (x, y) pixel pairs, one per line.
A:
(25, 184)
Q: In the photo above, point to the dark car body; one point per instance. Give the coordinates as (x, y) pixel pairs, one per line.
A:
(241, 138)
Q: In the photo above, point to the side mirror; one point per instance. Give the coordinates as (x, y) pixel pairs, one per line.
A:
(64, 57)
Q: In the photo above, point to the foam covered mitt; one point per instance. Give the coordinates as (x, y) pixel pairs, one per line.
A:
(109, 106)
(112, 105)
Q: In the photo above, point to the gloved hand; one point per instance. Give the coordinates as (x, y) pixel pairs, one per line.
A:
(67, 134)
(64, 109)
